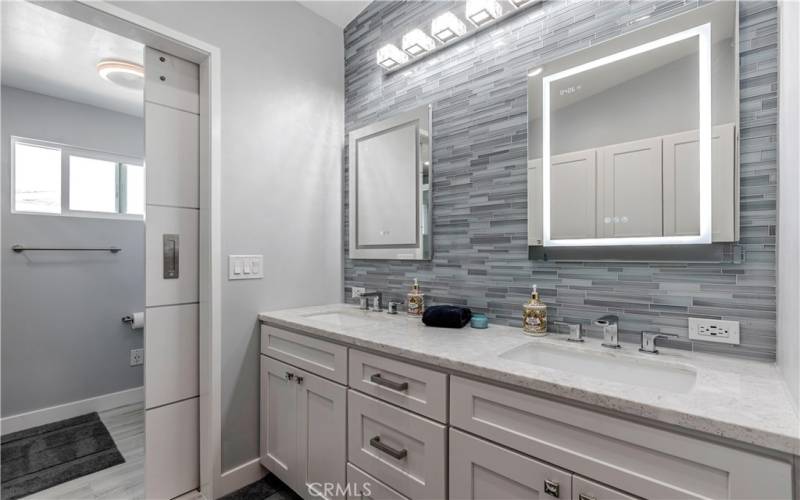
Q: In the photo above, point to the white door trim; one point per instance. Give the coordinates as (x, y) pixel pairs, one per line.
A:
(122, 22)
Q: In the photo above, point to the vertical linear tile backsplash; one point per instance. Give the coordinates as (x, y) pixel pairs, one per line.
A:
(478, 92)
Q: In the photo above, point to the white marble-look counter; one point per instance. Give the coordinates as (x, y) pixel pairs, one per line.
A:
(746, 401)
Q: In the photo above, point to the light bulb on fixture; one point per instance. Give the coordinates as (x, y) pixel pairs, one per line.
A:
(518, 3)
(389, 56)
(123, 73)
(415, 42)
(480, 12)
(447, 27)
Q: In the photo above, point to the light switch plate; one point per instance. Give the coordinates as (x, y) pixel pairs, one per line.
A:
(714, 330)
(245, 267)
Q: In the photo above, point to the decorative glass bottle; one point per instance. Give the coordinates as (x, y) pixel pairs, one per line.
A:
(416, 301)
(534, 316)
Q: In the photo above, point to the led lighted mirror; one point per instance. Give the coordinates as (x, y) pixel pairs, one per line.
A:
(390, 188)
(632, 142)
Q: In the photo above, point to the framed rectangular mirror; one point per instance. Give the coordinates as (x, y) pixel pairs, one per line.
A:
(633, 141)
(390, 188)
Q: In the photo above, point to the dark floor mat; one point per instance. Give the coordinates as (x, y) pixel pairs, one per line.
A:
(268, 488)
(41, 457)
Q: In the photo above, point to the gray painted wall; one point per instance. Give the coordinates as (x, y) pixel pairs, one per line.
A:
(62, 338)
(282, 135)
(478, 91)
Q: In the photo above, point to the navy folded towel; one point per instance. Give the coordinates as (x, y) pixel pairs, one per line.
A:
(446, 316)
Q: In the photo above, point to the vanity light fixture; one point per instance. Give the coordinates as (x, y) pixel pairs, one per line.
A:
(123, 73)
(416, 42)
(390, 56)
(447, 27)
(480, 12)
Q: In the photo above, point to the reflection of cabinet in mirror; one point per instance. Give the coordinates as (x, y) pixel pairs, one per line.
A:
(648, 187)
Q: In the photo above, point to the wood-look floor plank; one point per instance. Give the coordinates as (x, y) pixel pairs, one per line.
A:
(121, 482)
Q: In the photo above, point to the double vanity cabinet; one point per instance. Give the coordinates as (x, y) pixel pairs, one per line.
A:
(339, 420)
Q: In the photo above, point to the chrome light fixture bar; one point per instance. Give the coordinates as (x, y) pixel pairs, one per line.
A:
(448, 29)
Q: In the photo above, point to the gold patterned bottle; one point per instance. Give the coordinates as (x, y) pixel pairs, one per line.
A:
(534, 316)
(416, 301)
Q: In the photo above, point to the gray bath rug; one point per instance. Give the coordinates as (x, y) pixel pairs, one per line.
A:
(38, 458)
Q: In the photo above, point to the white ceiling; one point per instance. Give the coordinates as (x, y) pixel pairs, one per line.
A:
(48, 53)
(339, 12)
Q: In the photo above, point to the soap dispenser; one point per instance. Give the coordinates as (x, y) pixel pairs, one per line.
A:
(534, 316)
(416, 301)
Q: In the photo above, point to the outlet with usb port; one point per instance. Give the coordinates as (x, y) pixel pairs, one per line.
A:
(714, 330)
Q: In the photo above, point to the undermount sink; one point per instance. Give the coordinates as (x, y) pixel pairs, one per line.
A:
(343, 319)
(610, 367)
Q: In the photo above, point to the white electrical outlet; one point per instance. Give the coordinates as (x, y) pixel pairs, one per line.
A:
(356, 291)
(137, 357)
(714, 330)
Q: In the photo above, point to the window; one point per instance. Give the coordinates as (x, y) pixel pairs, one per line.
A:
(53, 178)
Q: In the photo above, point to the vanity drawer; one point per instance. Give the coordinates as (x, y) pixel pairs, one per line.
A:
(412, 387)
(585, 489)
(316, 356)
(636, 458)
(480, 470)
(399, 448)
(365, 487)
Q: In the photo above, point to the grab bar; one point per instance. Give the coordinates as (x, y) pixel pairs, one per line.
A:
(23, 248)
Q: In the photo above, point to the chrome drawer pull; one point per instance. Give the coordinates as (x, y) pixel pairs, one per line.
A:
(584, 496)
(552, 488)
(397, 386)
(398, 454)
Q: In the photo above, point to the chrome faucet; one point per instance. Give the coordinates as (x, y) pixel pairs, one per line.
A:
(575, 334)
(610, 330)
(648, 344)
(376, 301)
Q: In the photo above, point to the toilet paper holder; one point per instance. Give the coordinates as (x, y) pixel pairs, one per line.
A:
(134, 320)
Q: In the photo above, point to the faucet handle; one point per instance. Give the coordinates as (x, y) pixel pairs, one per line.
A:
(648, 343)
(575, 334)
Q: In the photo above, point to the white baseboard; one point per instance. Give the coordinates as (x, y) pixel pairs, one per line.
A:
(242, 475)
(21, 421)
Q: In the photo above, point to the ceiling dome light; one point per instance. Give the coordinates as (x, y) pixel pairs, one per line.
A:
(123, 73)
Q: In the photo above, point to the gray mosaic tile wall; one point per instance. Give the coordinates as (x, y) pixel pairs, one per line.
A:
(478, 92)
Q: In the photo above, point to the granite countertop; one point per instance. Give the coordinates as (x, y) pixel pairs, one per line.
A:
(746, 401)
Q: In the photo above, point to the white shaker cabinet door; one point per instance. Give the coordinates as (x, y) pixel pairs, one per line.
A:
(278, 447)
(630, 190)
(682, 184)
(480, 470)
(573, 195)
(321, 436)
(535, 238)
